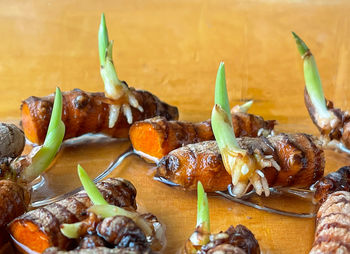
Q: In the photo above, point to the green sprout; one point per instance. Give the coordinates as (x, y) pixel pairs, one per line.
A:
(90, 188)
(114, 88)
(203, 219)
(43, 157)
(103, 40)
(201, 235)
(246, 106)
(108, 72)
(312, 79)
(221, 120)
(238, 163)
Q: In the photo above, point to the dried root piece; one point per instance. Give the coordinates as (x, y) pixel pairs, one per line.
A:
(333, 225)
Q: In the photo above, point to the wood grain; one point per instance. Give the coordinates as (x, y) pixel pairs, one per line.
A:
(173, 48)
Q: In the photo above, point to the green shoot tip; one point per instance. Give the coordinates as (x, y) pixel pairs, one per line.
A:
(203, 219)
(302, 48)
(221, 96)
(90, 187)
(103, 40)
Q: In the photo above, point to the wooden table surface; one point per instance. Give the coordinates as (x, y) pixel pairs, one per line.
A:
(173, 49)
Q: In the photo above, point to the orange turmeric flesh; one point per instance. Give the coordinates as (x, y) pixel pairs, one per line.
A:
(88, 113)
(300, 162)
(35, 238)
(157, 136)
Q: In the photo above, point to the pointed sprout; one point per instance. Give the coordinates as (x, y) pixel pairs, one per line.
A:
(102, 40)
(246, 106)
(312, 79)
(242, 166)
(53, 140)
(221, 120)
(242, 108)
(200, 236)
(90, 188)
(108, 72)
(221, 96)
(114, 88)
(203, 219)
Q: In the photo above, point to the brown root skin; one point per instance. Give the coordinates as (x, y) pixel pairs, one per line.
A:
(157, 136)
(91, 242)
(332, 234)
(300, 160)
(12, 140)
(98, 250)
(118, 232)
(195, 162)
(337, 129)
(14, 201)
(88, 113)
(237, 239)
(40, 228)
(122, 232)
(335, 181)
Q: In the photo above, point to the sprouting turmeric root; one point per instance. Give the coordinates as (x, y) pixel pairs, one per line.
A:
(16, 172)
(332, 123)
(156, 137)
(87, 113)
(40, 228)
(237, 239)
(335, 131)
(286, 160)
(280, 160)
(110, 113)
